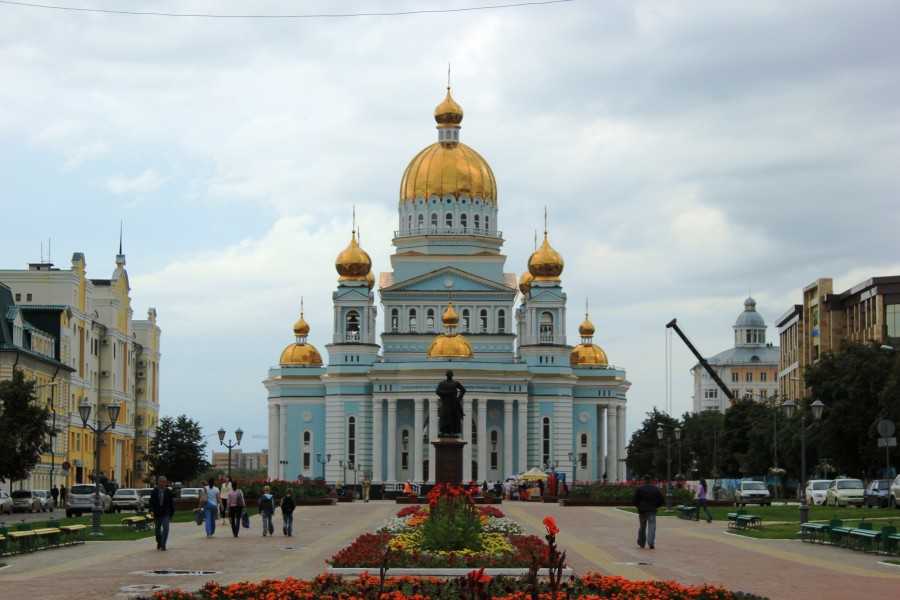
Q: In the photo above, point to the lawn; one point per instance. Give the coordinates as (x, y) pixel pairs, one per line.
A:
(791, 531)
(792, 513)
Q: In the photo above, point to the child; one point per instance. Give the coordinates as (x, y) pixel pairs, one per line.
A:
(287, 514)
(266, 508)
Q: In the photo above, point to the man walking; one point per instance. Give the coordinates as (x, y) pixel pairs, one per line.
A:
(162, 507)
(366, 486)
(54, 493)
(647, 500)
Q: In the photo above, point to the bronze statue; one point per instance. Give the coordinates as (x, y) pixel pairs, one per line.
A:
(451, 410)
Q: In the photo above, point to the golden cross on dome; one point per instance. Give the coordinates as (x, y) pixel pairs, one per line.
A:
(545, 221)
(301, 306)
(448, 76)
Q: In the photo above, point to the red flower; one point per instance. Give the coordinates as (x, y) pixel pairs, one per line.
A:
(550, 524)
(478, 577)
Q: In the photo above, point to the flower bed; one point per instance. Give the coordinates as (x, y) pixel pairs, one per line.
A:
(477, 585)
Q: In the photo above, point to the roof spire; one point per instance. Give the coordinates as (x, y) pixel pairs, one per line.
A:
(121, 227)
(586, 308)
(545, 221)
(353, 232)
(448, 76)
(301, 306)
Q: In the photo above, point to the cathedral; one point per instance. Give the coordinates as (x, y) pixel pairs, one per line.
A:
(532, 399)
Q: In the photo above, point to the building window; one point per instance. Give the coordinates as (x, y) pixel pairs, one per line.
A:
(501, 321)
(734, 377)
(421, 221)
(748, 377)
(483, 321)
(892, 320)
(434, 219)
(584, 440)
(429, 319)
(466, 320)
(546, 328)
(495, 455)
(404, 446)
(351, 326)
(477, 223)
(28, 297)
(395, 320)
(18, 297)
(307, 450)
(412, 320)
(464, 220)
(545, 441)
(711, 393)
(474, 433)
(448, 219)
(487, 223)
(409, 222)
(583, 460)
(763, 376)
(351, 440)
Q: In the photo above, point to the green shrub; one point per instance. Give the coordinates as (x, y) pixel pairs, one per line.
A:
(454, 524)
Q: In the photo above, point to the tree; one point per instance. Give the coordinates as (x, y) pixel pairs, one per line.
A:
(748, 437)
(178, 450)
(703, 447)
(24, 429)
(646, 454)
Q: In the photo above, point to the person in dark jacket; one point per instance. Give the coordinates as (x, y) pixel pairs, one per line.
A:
(162, 507)
(287, 513)
(647, 500)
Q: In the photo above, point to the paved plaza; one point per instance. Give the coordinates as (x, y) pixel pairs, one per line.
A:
(597, 539)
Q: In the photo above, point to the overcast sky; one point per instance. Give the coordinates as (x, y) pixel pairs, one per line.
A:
(689, 153)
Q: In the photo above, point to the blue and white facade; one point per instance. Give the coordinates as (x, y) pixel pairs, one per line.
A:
(372, 408)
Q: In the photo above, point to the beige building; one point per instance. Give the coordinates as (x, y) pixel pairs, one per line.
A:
(250, 461)
(750, 367)
(868, 312)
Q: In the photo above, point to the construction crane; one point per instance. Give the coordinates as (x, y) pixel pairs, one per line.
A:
(673, 324)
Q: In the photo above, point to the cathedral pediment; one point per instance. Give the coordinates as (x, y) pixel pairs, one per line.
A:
(449, 278)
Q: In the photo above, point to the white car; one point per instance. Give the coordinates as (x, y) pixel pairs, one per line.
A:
(844, 492)
(127, 499)
(80, 499)
(191, 493)
(6, 503)
(817, 491)
(752, 492)
(894, 495)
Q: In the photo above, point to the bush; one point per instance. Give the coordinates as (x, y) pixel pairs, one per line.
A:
(453, 523)
(623, 493)
(301, 490)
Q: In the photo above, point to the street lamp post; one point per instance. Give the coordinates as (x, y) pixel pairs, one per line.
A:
(52, 452)
(84, 411)
(817, 407)
(323, 461)
(238, 434)
(662, 436)
(680, 444)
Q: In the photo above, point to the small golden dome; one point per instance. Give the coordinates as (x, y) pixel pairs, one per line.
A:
(353, 263)
(525, 282)
(586, 329)
(546, 264)
(448, 113)
(301, 327)
(450, 318)
(370, 280)
(588, 354)
(450, 345)
(300, 355)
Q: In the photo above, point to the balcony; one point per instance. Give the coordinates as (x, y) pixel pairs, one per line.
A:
(448, 230)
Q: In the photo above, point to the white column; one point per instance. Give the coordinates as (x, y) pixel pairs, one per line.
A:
(392, 439)
(612, 444)
(598, 445)
(482, 439)
(507, 437)
(377, 436)
(282, 438)
(433, 434)
(418, 432)
(621, 454)
(274, 442)
(523, 435)
(468, 419)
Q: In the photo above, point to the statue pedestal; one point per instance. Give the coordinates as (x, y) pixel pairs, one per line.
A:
(448, 453)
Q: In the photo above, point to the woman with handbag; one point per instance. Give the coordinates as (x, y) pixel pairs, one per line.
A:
(209, 500)
(235, 508)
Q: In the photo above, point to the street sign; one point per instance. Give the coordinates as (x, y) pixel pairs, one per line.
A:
(886, 428)
(887, 442)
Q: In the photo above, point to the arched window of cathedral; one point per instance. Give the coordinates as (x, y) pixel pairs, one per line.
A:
(583, 460)
(482, 321)
(495, 455)
(307, 450)
(351, 441)
(501, 321)
(545, 442)
(395, 320)
(448, 219)
(466, 321)
(477, 220)
(546, 331)
(429, 319)
(487, 223)
(464, 221)
(421, 221)
(412, 320)
(351, 326)
(434, 218)
(584, 440)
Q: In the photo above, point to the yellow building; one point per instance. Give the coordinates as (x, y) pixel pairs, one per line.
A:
(113, 360)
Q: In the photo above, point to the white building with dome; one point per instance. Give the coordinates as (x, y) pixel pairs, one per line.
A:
(533, 400)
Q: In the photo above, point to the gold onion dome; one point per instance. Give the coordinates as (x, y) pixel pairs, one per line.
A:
(370, 280)
(587, 353)
(353, 263)
(450, 344)
(450, 318)
(525, 282)
(586, 329)
(545, 263)
(448, 166)
(300, 353)
(301, 327)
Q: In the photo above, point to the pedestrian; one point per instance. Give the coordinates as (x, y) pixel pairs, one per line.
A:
(266, 505)
(162, 507)
(209, 502)
(235, 507)
(701, 502)
(541, 488)
(484, 488)
(54, 493)
(226, 489)
(366, 486)
(62, 495)
(647, 500)
(407, 489)
(287, 513)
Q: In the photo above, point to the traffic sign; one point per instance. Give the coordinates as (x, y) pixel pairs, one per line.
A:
(887, 442)
(886, 428)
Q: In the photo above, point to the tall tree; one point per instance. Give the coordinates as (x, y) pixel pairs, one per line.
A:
(749, 429)
(24, 429)
(178, 451)
(703, 445)
(646, 453)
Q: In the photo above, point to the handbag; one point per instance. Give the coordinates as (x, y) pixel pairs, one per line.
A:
(198, 516)
(245, 520)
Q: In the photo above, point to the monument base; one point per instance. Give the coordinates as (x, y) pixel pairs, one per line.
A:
(448, 454)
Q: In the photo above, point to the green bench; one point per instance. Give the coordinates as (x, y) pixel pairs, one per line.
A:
(890, 540)
(748, 521)
(840, 536)
(732, 518)
(73, 534)
(687, 512)
(137, 522)
(818, 532)
(864, 538)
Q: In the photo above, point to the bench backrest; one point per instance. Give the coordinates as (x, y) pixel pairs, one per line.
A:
(836, 523)
(888, 530)
(864, 525)
(23, 527)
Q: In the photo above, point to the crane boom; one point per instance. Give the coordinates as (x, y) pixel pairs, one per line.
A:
(673, 324)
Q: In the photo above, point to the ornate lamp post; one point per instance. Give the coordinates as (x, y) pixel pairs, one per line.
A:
(323, 461)
(238, 434)
(661, 435)
(817, 407)
(84, 411)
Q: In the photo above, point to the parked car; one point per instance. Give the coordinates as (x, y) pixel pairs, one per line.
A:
(817, 491)
(6, 503)
(144, 493)
(894, 494)
(846, 492)
(26, 501)
(191, 493)
(80, 499)
(45, 498)
(127, 499)
(752, 492)
(877, 493)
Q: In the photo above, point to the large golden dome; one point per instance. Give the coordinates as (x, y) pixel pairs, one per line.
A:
(353, 263)
(448, 166)
(300, 353)
(545, 263)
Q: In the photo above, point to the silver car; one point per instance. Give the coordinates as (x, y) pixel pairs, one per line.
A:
(26, 501)
(127, 499)
(6, 503)
(80, 499)
(45, 498)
